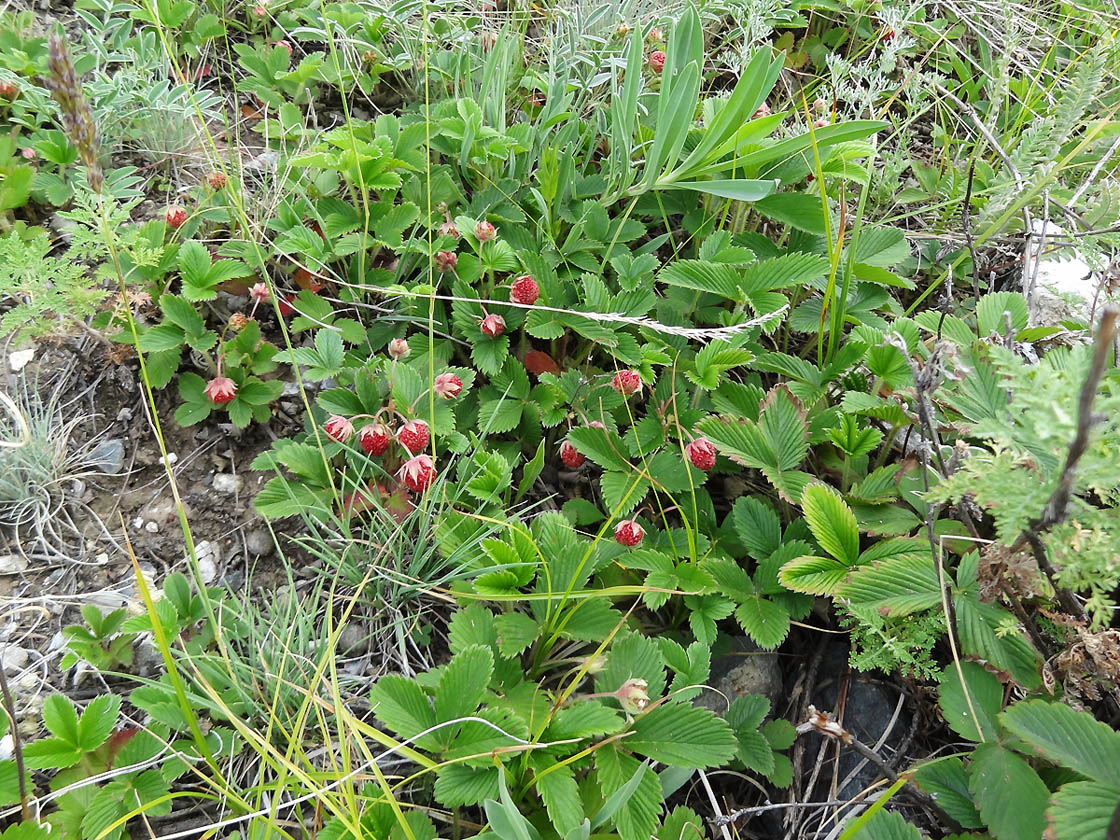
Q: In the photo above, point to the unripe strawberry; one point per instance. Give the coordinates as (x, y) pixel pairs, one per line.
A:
(524, 290)
(819, 105)
(375, 438)
(259, 292)
(259, 10)
(9, 90)
(763, 111)
(888, 35)
(656, 35)
(484, 231)
(175, 216)
(446, 261)
(216, 180)
(493, 325)
(628, 533)
(238, 321)
(657, 61)
(285, 45)
(414, 436)
(338, 428)
(418, 473)
(820, 123)
(220, 390)
(633, 695)
(597, 424)
(399, 349)
(447, 385)
(29, 153)
(448, 228)
(701, 453)
(571, 456)
(627, 382)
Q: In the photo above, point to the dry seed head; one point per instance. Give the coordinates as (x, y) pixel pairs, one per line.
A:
(77, 119)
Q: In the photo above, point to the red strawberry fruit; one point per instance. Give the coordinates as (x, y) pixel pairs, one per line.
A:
(414, 436)
(338, 428)
(221, 390)
(627, 382)
(375, 438)
(571, 456)
(657, 61)
(524, 290)
(628, 533)
(493, 325)
(701, 453)
(418, 473)
(175, 216)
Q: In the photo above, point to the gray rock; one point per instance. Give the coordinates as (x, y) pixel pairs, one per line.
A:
(259, 542)
(108, 456)
(228, 483)
(12, 564)
(745, 670)
(13, 659)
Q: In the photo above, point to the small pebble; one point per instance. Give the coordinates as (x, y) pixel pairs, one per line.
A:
(12, 564)
(171, 458)
(227, 483)
(13, 659)
(151, 527)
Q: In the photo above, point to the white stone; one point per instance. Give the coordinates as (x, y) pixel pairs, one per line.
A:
(227, 483)
(171, 459)
(7, 747)
(208, 555)
(151, 527)
(1057, 280)
(138, 522)
(18, 359)
(12, 564)
(13, 659)
(101, 559)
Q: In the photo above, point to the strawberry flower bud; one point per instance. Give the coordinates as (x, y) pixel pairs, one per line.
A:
(446, 261)
(220, 390)
(628, 533)
(375, 438)
(418, 473)
(633, 695)
(447, 385)
(414, 436)
(338, 428)
(627, 382)
(449, 228)
(399, 349)
(701, 453)
(484, 231)
(259, 293)
(524, 290)
(493, 325)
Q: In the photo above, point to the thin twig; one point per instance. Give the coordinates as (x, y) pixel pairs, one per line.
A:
(1057, 507)
(17, 745)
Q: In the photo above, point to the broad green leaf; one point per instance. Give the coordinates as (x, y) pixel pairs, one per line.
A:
(702, 276)
(1083, 811)
(1068, 737)
(897, 586)
(61, 719)
(757, 526)
(832, 522)
(798, 210)
(814, 575)
(887, 825)
(602, 446)
(947, 780)
(463, 683)
(985, 693)
(1009, 794)
(560, 794)
(682, 735)
(98, 721)
(402, 705)
(991, 308)
(764, 621)
(636, 818)
(458, 785)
